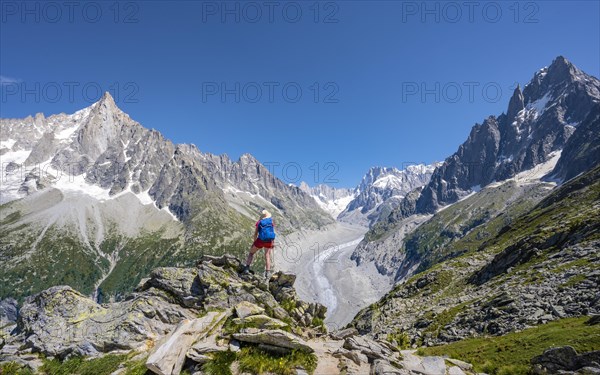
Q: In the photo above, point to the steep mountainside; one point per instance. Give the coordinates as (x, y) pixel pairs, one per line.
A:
(538, 265)
(539, 120)
(100, 196)
(424, 240)
(550, 130)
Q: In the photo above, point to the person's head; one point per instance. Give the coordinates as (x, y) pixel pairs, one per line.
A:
(265, 214)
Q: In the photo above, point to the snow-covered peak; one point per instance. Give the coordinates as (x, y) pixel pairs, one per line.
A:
(383, 186)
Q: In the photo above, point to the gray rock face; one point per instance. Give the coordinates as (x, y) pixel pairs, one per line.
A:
(281, 286)
(62, 322)
(344, 333)
(372, 349)
(582, 151)
(383, 367)
(9, 311)
(245, 309)
(168, 357)
(539, 120)
(555, 360)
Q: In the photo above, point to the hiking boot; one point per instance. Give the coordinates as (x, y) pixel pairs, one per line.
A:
(268, 275)
(245, 270)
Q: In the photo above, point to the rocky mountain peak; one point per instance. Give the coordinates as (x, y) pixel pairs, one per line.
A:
(561, 69)
(516, 103)
(103, 127)
(554, 80)
(539, 121)
(248, 159)
(107, 101)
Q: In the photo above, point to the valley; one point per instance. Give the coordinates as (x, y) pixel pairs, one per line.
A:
(146, 238)
(326, 274)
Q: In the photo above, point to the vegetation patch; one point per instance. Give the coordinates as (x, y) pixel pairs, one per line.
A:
(256, 361)
(220, 363)
(105, 365)
(511, 353)
(13, 368)
(401, 338)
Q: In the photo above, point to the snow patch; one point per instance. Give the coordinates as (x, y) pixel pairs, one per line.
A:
(539, 106)
(11, 179)
(8, 143)
(65, 133)
(333, 207)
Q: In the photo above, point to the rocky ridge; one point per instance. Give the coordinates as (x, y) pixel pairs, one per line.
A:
(187, 318)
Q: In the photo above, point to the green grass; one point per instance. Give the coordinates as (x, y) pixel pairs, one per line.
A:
(574, 280)
(446, 317)
(511, 353)
(576, 263)
(97, 366)
(13, 368)
(256, 361)
(401, 338)
(220, 363)
(136, 367)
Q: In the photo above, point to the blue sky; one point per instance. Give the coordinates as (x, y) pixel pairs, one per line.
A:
(226, 75)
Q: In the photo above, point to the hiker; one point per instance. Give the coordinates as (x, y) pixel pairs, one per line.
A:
(264, 237)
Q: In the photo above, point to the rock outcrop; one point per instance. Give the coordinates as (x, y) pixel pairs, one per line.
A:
(188, 318)
(566, 360)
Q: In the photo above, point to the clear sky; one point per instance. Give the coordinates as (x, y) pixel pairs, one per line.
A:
(334, 87)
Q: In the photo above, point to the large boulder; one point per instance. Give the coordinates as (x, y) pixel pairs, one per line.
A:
(61, 322)
(245, 309)
(372, 349)
(565, 358)
(168, 357)
(182, 283)
(260, 321)
(383, 367)
(275, 337)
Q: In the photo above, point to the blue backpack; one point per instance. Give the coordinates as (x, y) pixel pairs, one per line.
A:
(266, 232)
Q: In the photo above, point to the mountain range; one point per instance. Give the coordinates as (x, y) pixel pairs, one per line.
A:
(98, 194)
(497, 246)
(549, 130)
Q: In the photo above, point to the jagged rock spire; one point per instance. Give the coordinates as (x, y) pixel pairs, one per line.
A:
(516, 104)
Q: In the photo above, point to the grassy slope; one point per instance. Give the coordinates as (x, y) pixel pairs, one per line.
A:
(60, 257)
(463, 227)
(511, 353)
